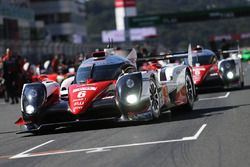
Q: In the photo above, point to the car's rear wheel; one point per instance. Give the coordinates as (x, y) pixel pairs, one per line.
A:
(154, 99)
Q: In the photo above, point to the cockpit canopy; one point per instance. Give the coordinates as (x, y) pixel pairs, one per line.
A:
(102, 68)
(204, 57)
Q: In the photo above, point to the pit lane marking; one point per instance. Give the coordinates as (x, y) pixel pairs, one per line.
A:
(26, 154)
(218, 97)
(29, 150)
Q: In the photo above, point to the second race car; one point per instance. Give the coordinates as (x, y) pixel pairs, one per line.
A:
(107, 86)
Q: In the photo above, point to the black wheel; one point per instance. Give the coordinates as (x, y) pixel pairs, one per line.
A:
(154, 99)
(242, 84)
(190, 93)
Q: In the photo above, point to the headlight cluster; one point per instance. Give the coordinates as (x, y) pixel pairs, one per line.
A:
(132, 98)
(33, 98)
(129, 89)
(31, 94)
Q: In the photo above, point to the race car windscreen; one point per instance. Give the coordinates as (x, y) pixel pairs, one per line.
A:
(98, 73)
(204, 59)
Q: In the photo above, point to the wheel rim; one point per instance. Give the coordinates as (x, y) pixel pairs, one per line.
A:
(189, 89)
(154, 99)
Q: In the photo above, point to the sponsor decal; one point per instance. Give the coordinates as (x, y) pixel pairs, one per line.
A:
(84, 88)
(81, 99)
(200, 69)
(77, 108)
(78, 103)
(81, 94)
(214, 74)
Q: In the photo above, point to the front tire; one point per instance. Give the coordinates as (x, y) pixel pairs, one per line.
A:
(154, 100)
(189, 93)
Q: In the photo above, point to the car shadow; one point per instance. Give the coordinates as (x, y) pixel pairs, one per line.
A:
(166, 117)
(8, 132)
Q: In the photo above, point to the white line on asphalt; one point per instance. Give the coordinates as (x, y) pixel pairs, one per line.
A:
(196, 136)
(25, 154)
(97, 150)
(218, 97)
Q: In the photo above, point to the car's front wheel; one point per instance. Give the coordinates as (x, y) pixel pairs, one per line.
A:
(154, 99)
(189, 93)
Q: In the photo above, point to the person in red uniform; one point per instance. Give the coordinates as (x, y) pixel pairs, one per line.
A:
(10, 75)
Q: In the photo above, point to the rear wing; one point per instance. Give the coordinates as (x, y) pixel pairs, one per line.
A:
(234, 53)
(231, 51)
(166, 56)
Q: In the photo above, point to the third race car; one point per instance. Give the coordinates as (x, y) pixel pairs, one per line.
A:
(212, 71)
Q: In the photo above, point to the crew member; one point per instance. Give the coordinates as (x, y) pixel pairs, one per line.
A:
(10, 75)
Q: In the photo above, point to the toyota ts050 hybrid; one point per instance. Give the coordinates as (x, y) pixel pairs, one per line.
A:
(212, 71)
(107, 86)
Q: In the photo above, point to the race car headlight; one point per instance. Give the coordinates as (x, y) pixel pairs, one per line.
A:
(29, 109)
(33, 98)
(130, 83)
(132, 99)
(230, 75)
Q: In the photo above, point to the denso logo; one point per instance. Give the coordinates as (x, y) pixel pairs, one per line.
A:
(84, 88)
